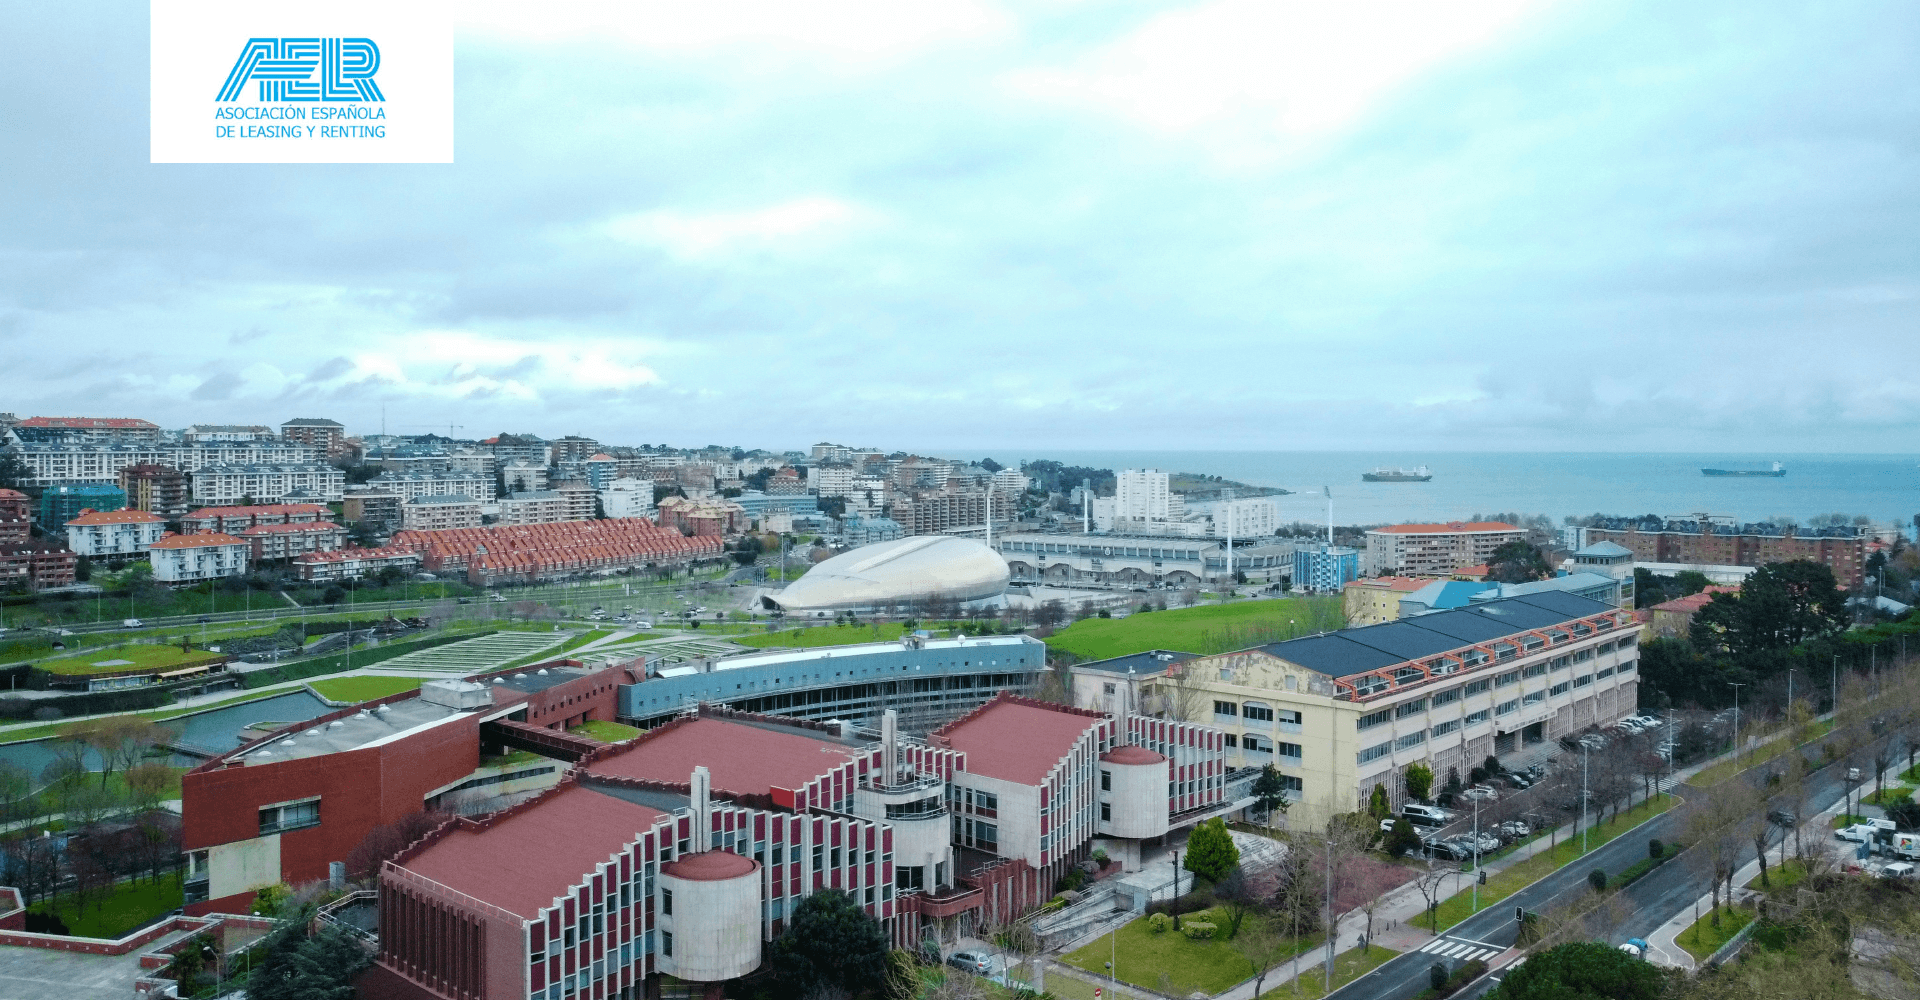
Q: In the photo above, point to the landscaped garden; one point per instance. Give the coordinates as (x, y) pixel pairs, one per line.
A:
(129, 658)
(357, 689)
(1203, 629)
(605, 732)
(111, 914)
(1144, 954)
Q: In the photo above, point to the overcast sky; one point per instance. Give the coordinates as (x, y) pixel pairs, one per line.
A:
(1484, 226)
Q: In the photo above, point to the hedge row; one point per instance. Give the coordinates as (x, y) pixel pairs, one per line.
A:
(338, 661)
(1634, 872)
(93, 703)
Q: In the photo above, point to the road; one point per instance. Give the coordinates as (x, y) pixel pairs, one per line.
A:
(1658, 897)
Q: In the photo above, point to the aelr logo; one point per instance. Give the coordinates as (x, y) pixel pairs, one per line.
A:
(284, 69)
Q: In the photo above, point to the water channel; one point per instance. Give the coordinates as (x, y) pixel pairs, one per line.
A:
(217, 729)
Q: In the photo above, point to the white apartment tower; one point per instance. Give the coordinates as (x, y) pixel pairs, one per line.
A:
(1144, 495)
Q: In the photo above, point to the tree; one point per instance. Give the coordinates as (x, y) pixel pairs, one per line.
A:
(1431, 883)
(297, 967)
(1780, 606)
(1263, 949)
(1581, 970)
(1419, 780)
(1377, 805)
(384, 843)
(830, 941)
(16, 793)
(1211, 853)
(1270, 792)
(1402, 840)
(146, 783)
(1517, 562)
(1050, 613)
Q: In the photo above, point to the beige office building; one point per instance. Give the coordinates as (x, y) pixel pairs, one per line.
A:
(1341, 712)
(1435, 549)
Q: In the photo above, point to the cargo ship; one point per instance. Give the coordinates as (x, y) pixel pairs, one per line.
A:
(1396, 475)
(1777, 471)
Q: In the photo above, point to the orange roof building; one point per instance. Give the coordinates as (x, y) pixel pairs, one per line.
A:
(532, 552)
(109, 534)
(194, 558)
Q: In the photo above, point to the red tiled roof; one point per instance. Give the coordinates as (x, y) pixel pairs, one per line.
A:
(709, 866)
(83, 422)
(521, 860)
(743, 759)
(259, 509)
(342, 555)
(1448, 528)
(115, 517)
(1016, 741)
(201, 540)
(12, 495)
(1694, 602)
(1131, 755)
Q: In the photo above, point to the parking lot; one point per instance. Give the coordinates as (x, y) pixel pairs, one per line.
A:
(488, 652)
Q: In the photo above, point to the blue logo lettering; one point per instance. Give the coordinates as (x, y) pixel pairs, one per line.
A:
(283, 67)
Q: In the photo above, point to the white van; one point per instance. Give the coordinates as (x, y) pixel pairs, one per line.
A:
(1899, 869)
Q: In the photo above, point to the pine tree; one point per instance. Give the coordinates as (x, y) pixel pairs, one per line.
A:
(1210, 851)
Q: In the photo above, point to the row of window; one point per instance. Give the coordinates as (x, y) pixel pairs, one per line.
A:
(1254, 711)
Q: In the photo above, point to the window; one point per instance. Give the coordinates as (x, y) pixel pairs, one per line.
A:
(1106, 777)
(1560, 662)
(1605, 672)
(1225, 708)
(1512, 677)
(1506, 707)
(666, 942)
(1447, 697)
(1374, 753)
(1287, 717)
(1451, 725)
(1292, 784)
(1289, 750)
(1561, 688)
(1479, 687)
(1627, 667)
(1583, 681)
(1534, 698)
(1626, 641)
(666, 902)
(1537, 670)
(1373, 719)
(289, 816)
(1253, 744)
(1477, 718)
(1231, 740)
(1106, 811)
(1606, 647)
(1413, 739)
(1256, 712)
(1582, 655)
(1413, 707)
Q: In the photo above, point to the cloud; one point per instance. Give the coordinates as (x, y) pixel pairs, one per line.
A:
(789, 226)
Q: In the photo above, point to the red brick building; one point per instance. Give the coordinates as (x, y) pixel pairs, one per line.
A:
(704, 518)
(284, 541)
(282, 807)
(234, 520)
(36, 564)
(1689, 542)
(16, 516)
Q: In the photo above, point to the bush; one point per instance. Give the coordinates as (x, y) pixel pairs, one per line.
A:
(1655, 849)
(1197, 930)
(1159, 922)
(1437, 976)
(1100, 857)
(1597, 880)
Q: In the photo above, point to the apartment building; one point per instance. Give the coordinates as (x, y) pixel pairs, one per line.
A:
(16, 516)
(115, 535)
(1323, 568)
(36, 564)
(628, 498)
(578, 498)
(1712, 543)
(706, 518)
(327, 437)
(440, 513)
(354, 563)
(1342, 712)
(522, 476)
(157, 489)
(197, 558)
(226, 432)
(231, 484)
(83, 430)
(233, 520)
(54, 464)
(937, 513)
(533, 507)
(411, 486)
(1376, 599)
(274, 542)
(1436, 549)
(376, 507)
(832, 479)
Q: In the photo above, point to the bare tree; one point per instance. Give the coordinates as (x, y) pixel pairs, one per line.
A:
(1431, 884)
(1716, 844)
(1263, 949)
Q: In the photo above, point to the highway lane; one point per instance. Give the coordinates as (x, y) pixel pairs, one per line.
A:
(1658, 897)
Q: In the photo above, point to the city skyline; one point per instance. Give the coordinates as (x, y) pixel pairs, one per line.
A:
(1500, 227)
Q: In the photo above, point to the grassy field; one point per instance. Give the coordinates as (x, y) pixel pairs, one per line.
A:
(1703, 939)
(1784, 875)
(1202, 629)
(605, 732)
(130, 905)
(358, 689)
(139, 656)
(1348, 966)
(1757, 756)
(574, 643)
(1209, 966)
(1889, 795)
(825, 635)
(1516, 877)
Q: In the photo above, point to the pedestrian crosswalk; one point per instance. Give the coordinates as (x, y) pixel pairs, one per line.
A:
(1461, 949)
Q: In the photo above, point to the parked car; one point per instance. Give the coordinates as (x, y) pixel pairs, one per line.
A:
(1483, 793)
(1635, 947)
(1594, 742)
(1442, 848)
(1513, 829)
(1515, 779)
(1858, 833)
(1427, 815)
(978, 963)
(1899, 869)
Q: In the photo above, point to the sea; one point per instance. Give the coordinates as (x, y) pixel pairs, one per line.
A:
(1884, 488)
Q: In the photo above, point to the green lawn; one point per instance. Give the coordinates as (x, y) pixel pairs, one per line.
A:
(1208, 966)
(1202, 629)
(362, 688)
(117, 788)
(1845, 819)
(825, 635)
(1889, 795)
(130, 905)
(138, 656)
(1499, 886)
(1348, 966)
(1784, 875)
(605, 732)
(1758, 755)
(1703, 939)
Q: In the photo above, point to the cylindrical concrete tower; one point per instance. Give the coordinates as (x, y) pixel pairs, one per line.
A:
(713, 913)
(1134, 788)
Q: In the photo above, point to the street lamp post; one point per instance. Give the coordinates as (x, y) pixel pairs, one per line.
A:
(1476, 854)
(1583, 798)
(1333, 932)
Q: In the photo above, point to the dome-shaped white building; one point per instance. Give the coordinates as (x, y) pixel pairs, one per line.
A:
(898, 573)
